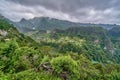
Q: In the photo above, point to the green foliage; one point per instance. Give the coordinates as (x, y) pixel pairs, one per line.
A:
(45, 59)
(66, 64)
(73, 54)
(8, 47)
(87, 70)
(5, 25)
(115, 32)
(3, 76)
(29, 75)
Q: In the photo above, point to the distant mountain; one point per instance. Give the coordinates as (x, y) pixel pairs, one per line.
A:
(1, 16)
(46, 23)
(43, 23)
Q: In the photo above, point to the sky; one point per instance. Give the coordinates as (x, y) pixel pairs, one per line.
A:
(84, 11)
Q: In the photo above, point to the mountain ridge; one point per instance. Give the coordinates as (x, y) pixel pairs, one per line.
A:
(47, 23)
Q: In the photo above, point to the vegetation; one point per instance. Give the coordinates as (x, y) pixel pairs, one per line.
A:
(61, 55)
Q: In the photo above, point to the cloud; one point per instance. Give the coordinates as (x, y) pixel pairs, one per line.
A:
(93, 11)
(18, 11)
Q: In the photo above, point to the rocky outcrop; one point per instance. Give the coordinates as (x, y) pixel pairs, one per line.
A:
(3, 33)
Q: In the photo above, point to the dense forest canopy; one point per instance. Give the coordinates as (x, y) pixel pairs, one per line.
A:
(83, 53)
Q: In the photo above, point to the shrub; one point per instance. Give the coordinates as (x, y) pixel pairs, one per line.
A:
(66, 64)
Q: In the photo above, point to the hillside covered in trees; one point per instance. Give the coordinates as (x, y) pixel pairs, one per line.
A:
(84, 53)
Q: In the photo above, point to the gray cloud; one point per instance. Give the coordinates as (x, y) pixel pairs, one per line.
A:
(95, 11)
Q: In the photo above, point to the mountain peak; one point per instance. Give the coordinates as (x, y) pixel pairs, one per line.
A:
(23, 19)
(1, 16)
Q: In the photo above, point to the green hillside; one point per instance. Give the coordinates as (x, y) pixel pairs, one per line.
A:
(58, 55)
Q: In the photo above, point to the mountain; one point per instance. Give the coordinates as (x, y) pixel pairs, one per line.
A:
(46, 23)
(43, 23)
(75, 53)
(46, 27)
(9, 32)
(24, 26)
(1, 16)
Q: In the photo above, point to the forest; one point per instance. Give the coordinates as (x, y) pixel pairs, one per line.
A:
(84, 53)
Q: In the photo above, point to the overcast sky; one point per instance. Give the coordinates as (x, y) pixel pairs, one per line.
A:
(87, 11)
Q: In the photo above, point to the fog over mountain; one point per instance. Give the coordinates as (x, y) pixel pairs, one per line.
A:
(94, 11)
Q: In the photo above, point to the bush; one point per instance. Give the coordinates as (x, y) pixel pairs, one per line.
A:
(3, 76)
(66, 64)
(32, 75)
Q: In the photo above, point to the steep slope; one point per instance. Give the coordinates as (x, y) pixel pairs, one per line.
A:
(9, 32)
(114, 34)
(24, 26)
(13, 45)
